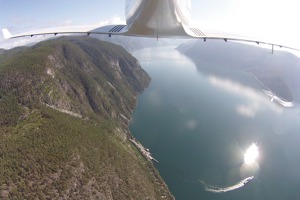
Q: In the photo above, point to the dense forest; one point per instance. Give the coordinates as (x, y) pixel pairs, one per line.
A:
(65, 107)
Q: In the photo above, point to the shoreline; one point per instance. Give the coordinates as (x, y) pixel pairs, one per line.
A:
(144, 151)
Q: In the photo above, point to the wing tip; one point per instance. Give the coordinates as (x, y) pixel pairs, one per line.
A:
(6, 33)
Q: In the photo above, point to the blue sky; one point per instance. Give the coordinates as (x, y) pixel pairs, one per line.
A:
(24, 14)
(274, 20)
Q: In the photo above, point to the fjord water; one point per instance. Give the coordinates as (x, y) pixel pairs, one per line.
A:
(198, 126)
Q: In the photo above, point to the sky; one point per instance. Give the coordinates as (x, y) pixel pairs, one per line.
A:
(270, 20)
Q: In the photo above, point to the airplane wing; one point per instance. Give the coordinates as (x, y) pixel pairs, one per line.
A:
(108, 29)
(205, 35)
(190, 32)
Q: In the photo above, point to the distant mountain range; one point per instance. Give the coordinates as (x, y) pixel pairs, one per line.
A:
(135, 43)
(279, 71)
(65, 107)
(129, 43)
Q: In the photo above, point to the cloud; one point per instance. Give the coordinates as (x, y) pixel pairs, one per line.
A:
(12, 43)
(248, 110)
(267, 20)
(113, 20)
(191, 124)
(257, 100)
(67, 22)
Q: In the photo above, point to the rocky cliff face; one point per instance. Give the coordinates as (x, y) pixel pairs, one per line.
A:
(75, 75)
(65, 106)
(278, 71)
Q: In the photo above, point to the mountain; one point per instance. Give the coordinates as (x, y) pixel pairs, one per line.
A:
(1, 53)
(279, 71)
(135, 43)
(65, 107)
(5, 54)
(128, 43)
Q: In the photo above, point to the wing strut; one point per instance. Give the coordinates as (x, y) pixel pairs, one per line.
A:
(272, 49)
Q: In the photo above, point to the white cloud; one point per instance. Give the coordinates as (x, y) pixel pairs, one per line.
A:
(191, 124)
(11, 43)
(257, 100)
(248, 110)
(113, 20)
(272, 21)
(67, 22)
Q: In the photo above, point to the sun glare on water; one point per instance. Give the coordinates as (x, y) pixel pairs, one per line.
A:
(251, 154)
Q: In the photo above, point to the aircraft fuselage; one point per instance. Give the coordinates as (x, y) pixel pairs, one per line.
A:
(157, 17)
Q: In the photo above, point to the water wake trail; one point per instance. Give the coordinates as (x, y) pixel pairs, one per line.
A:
(217, 189)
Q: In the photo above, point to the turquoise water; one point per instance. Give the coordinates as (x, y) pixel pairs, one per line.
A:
(198, 126)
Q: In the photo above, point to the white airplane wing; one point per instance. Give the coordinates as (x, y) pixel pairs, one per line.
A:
(108, 29)
(206, 35)
(151, 18)
(190, 32)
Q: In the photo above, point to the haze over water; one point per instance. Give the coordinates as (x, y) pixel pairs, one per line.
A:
(199, 125)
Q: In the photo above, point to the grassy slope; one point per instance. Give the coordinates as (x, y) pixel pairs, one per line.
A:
(49, 154)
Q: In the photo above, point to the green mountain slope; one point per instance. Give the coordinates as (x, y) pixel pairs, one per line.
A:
(65, 106)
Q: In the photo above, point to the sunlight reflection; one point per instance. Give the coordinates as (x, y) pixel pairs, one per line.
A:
(251, 154)
(247, 172)
(250, 165)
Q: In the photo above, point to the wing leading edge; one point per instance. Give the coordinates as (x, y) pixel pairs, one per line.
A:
(108, 29)
(197, 33)
(190, 32)
(150, 18)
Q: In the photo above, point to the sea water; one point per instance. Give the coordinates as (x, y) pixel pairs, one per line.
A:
(199, 126)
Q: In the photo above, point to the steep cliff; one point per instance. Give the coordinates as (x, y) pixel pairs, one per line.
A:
(65, 106)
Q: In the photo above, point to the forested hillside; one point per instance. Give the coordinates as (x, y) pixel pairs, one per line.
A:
(65, 106)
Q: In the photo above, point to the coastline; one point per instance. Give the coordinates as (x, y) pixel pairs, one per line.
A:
(140, 148)
(144, 151)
